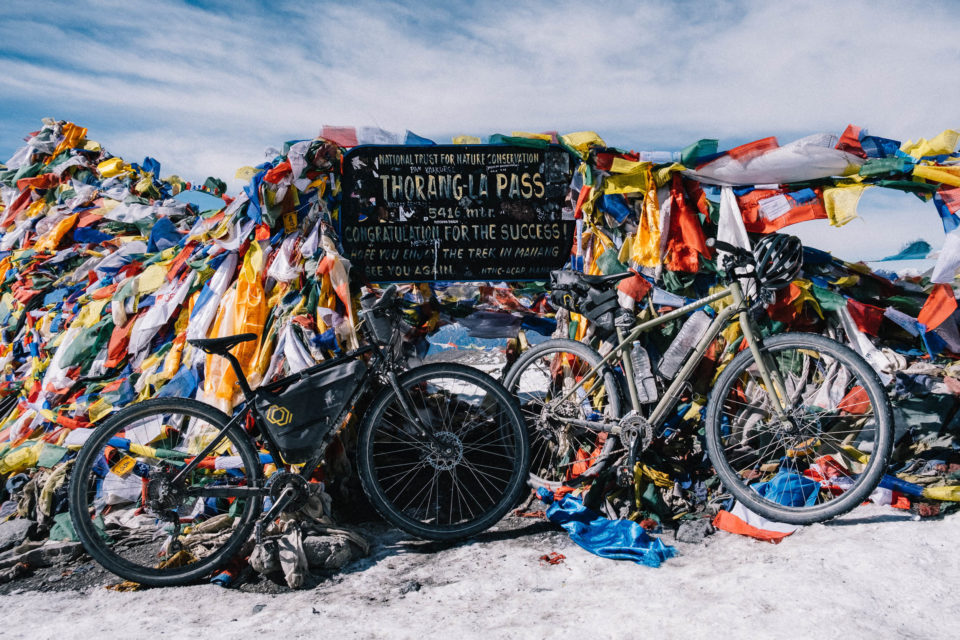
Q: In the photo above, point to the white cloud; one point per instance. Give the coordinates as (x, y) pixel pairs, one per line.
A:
(204, 91)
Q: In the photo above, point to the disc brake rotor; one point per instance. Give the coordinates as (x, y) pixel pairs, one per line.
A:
(446, 452)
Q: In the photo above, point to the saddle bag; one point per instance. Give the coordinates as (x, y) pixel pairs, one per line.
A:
(570, 291)
(298, 417)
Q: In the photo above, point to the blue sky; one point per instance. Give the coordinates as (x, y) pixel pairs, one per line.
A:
(207, 87)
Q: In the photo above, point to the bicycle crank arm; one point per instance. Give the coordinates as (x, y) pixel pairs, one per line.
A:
(612, 428)
(227, 492)
(281, 503)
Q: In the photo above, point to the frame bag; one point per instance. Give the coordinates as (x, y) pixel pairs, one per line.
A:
(298, 417)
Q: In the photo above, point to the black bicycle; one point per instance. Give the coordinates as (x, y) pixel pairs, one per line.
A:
(168, 490)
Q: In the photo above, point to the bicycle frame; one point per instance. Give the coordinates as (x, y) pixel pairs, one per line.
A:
(623, 352)
(379, 364)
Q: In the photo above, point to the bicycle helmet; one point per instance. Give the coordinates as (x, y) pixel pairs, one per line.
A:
(779, 258)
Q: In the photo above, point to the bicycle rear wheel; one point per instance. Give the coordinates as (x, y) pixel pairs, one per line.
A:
(138, 524)
(468, 476)
(829, 451)
(560, 451)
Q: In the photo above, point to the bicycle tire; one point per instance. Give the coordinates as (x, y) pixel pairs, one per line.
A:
(827, 457)
(555, 448)
(426, 491)
(99, 488)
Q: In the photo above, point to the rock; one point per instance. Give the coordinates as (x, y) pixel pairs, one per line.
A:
(410, 585)
(327, 552)
(47, 555)
(694, 531)
(13, 532)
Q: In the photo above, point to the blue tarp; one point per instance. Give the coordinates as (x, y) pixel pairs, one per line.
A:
(614, 539)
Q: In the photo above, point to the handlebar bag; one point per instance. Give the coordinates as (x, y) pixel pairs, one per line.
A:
(298, 417)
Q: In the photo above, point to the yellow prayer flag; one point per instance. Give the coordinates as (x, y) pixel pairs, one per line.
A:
(99, 410)
(936, 173)
(582, 140)
(943, 143)
(626, 183)
(151, 279)
(532, 136)
(846, 281)
(622, 165)
(466, 140)
(841, 201)
(246, 173)
(113, 167)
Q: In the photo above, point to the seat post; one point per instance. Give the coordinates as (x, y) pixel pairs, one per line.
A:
(241, 377)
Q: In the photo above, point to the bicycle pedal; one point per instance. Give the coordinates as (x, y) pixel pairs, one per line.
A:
(624, 476)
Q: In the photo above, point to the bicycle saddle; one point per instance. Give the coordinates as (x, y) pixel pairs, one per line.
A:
(221, 345)
(606, 280)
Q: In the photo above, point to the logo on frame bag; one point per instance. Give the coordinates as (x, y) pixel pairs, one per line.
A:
(279, 416)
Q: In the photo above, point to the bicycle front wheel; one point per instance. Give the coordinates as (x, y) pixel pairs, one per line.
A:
(136, 521)
(825, 454)
(467, 475)
(561, 450)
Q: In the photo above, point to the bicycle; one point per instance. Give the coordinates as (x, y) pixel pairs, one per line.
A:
(797, 426)
(168, 490)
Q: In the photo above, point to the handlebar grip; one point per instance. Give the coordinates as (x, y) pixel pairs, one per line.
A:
(729, 248)
(370, 302)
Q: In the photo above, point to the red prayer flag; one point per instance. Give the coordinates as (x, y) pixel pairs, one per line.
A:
(636, 286)
(341, 136)
(747, 152)
(850, 141)
(867, 317)
(939, 306)
(686, 240)
(951, 198)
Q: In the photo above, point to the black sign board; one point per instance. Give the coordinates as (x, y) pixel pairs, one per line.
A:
(456, 212)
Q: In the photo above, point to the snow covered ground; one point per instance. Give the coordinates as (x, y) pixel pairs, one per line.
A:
(874, 573)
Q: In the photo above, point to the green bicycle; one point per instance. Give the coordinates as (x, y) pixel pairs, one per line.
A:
(797, 426)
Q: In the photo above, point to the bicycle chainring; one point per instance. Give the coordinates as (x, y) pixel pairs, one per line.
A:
(283, 479)
(636, 433)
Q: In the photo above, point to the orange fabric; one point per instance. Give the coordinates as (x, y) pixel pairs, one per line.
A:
(72, 135)
(250, 317)
(51, 240)
(939, 306)
(850, 141)
(635, 286)
(176, 265)
(19, 204)
(729, 522)
(755, 223)
(951, 198)
(581, 465)
(746, 152)
(104, 292)
(117, 347)
(686, 241)
(900, 501)
(856, 401)
(43, 181)
(276, 174)
(582, 200)
(342, 289)
(88, 218)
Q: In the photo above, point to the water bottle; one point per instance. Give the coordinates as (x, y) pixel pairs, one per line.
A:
(643, 375)
(684, 344)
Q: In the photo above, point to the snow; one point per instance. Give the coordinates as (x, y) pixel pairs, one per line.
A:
(875, 573)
